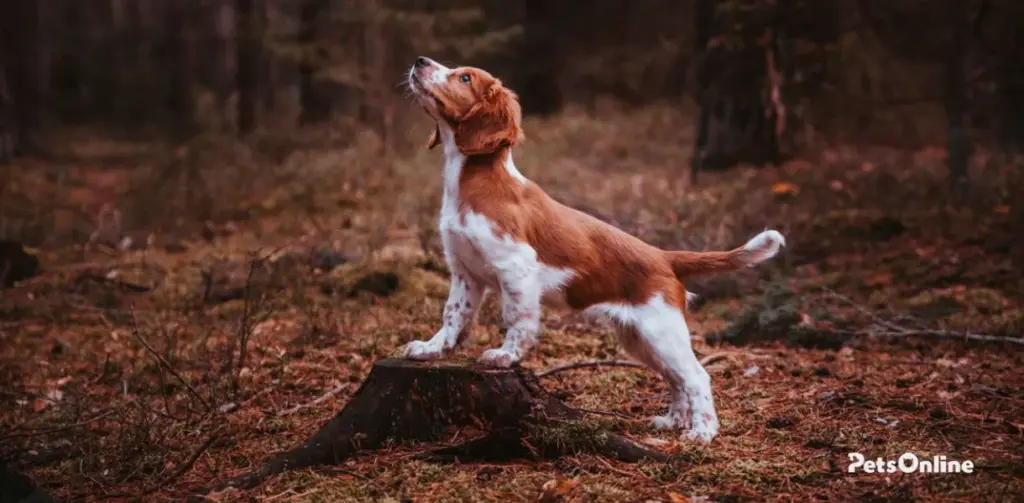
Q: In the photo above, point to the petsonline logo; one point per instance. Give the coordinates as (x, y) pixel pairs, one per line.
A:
(908, 463)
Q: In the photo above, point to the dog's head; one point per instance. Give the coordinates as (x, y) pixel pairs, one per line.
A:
(482, 114)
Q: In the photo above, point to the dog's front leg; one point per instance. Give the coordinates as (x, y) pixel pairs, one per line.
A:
(520, 308)
(464, 298)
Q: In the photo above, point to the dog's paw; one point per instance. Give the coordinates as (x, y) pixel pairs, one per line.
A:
(702, 435)
(666, 422)
(705, 428)
(498, 358)
(663, 422)
(423, 350)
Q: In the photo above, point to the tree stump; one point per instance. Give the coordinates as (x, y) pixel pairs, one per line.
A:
(506, 412)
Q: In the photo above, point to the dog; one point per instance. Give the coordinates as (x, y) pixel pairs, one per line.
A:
(502, 233)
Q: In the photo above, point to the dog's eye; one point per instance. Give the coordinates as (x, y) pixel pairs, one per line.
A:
(465, 78)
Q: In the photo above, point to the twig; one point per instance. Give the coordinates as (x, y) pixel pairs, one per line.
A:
(162, 361)
(314, 403)
(602, 412)
(714, 357)
(245, 326)
(186, 466)
(34, 433)
(865, 311)
(707, 360)
(942, 334)
(895, 330)
(591, 363)
(620, 472)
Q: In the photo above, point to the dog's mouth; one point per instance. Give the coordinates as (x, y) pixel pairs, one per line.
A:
(422, 94)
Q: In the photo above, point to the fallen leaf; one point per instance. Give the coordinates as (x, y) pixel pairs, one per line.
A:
(655, 442)
(880, 279)
(675, 497)
(555, 489)
(785, 189)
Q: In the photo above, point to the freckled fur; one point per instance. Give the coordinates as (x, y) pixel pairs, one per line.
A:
(502, 232)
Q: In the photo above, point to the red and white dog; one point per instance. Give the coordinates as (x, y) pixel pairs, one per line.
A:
(501, 232)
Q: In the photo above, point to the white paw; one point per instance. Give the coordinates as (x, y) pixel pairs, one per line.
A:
(498, 358)
(702, 435)
(666, 422)
(423, 350)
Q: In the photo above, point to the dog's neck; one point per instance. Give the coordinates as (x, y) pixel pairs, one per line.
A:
(458, 166)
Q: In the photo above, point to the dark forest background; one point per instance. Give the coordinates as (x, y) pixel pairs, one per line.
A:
(166, 107)
(769, 77)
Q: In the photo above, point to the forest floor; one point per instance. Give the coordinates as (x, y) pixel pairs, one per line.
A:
(150, 374)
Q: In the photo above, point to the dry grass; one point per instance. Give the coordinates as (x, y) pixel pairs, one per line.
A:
(109, 393)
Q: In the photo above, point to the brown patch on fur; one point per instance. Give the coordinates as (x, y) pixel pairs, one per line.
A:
(435, 138)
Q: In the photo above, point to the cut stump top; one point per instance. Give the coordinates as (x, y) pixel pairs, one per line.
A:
(441, 366)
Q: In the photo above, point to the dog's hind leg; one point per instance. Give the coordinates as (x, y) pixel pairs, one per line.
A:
(662, 341)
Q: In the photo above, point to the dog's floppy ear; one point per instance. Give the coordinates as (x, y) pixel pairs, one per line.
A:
(435, 138)
(491, 124)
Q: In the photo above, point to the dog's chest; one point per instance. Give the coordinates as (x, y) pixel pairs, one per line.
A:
(474, 245)
(470, 244)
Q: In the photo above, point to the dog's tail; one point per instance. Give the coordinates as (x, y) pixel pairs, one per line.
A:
(687, 264)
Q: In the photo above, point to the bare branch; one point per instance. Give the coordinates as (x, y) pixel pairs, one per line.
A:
(162, 361)
(707, 360)
(890, 329)
(39, 432)
(314, 403)
(186, 466)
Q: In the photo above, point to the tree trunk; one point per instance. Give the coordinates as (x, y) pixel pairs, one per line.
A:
(736, 124)
(270, 65)
(21, 65)
(6, 106)
(958, 143)
(506, 412)
(1010, 97)
(315, 108)
(541, 59)
(223, 55)
(179, 71)
(704, 14)
(379, 113)
(249, 42)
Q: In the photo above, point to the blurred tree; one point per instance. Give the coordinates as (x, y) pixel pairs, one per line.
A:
(958, 141)
(542, 57)
(179, 69)
(770, 75)
(315, 103)
(996, 29)
(737, 125)
(703, 17)
(20, 105)
(758, 63)
(249, 44)
(6, 128)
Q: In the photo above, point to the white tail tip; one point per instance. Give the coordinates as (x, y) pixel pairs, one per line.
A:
(691, 300)
(763, 246)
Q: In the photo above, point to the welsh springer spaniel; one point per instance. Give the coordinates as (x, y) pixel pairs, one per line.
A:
(502, 232)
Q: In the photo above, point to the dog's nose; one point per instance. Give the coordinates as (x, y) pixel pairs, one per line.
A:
(421, 62)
